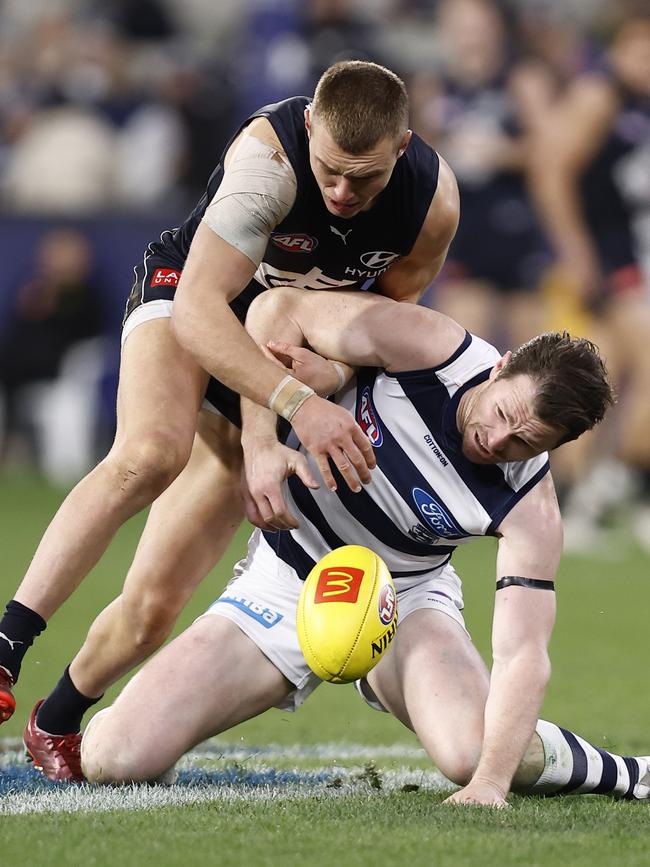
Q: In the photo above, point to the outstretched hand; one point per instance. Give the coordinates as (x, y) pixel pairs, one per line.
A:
(480, 793)
(329, 432)
(265, 469)
(315, 371)
(326, 430)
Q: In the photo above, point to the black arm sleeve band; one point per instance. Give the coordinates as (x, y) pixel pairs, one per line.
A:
(518, 581)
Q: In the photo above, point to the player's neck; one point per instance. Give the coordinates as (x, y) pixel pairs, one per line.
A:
(466, 405)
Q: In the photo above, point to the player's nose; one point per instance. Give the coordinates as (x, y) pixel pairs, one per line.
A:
(343, 190)
(497, 439)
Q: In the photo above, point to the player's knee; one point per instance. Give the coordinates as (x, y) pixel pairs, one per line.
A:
(100, 754)
(151, 618)
(106, 765)
(270, 303)
(459, 765)
(147, 467)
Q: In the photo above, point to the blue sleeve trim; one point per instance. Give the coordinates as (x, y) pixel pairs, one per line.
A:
(428, 371)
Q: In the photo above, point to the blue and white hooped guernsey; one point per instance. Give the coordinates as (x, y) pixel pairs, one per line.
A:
(425, 497)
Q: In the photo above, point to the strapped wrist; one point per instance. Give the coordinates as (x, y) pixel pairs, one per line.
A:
(288, 396)
(340, 372)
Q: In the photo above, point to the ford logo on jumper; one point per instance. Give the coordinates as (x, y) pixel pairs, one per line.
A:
(436, 516)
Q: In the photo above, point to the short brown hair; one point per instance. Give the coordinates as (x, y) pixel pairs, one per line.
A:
(361, 103)
(573, 388)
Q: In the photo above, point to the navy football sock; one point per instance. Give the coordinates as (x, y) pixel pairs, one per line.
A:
(574, 766)
(62, 711)
(18, 629)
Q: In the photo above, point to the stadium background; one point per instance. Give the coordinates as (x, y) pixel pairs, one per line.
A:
(112, 116)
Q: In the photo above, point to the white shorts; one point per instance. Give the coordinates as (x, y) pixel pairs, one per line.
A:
(262, 599)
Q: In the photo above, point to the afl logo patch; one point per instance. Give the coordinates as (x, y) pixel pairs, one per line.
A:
(298, 243)
(386, 604)
(436, 516)
(367, 419)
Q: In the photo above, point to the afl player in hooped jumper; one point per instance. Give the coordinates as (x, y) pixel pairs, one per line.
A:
(335, 193)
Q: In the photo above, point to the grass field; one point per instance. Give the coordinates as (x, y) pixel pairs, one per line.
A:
(335, 783)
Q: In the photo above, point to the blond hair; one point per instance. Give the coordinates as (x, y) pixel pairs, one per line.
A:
(361, 103)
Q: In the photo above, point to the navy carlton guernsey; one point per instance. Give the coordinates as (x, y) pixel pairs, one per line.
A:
(312, 248)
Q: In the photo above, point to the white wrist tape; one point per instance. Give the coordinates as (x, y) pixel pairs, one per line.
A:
(288, 396)
(340, 372)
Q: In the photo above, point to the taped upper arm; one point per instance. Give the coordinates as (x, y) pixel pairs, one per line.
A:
(257, 192)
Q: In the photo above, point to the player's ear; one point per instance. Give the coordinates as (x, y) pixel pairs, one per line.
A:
(501, 363)
(307, 119)
(404, 142)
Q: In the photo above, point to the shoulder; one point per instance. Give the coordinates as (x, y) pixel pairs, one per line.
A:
(441, 220)
(423, 339)
(537, 513)
(260, 129)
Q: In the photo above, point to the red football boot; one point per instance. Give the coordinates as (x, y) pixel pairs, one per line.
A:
(57, 756)
(7, 700)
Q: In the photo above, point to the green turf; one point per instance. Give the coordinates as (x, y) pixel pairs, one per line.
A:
(408, 828)
(598, 688)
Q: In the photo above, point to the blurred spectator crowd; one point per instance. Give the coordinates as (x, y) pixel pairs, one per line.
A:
(541, 107)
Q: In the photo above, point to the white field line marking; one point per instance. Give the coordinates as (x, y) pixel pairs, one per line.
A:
(11, 750)
(98, 799)
(309, 782)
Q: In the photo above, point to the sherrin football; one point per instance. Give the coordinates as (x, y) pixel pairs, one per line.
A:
(347, 614)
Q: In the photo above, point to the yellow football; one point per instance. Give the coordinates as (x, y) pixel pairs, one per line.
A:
(347, 614)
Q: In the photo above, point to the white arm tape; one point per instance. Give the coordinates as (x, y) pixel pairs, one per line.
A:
(340, 372)
(257, 192)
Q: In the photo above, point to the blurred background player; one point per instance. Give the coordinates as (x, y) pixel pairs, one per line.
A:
(481, 109)
(591, 176)
(54, 327)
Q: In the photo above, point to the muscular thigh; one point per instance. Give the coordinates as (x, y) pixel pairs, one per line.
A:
(161, 386)
(207, 680)
(436, 683)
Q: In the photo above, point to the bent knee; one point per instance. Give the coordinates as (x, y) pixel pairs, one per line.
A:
(108, 756)
(105, 765)
(98, 751)
(149, 465)
(459, 766)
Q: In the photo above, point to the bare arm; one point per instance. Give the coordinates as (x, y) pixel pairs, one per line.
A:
(530, 547)
(407, 279)
(356, 328)
(267, 463)
(216, 272)
(563, 148)
(206, 327)
(350, 327)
